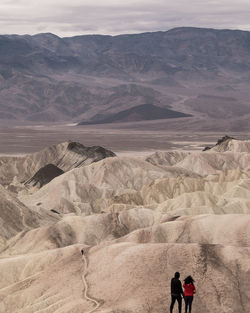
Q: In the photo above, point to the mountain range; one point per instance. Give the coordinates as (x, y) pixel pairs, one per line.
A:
(192, 74)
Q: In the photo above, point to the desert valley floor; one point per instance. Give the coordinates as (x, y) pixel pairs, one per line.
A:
(136, 139)
(98, 220)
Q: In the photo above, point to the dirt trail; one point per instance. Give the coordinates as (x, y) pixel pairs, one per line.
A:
(96, 303)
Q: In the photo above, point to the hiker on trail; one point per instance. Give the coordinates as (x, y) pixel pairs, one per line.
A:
(189, 291)
(176, 292)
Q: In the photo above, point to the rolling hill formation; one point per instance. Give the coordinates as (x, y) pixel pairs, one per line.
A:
(83, 230)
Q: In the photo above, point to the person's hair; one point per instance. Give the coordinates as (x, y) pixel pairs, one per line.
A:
(189, 280)
(177, 275)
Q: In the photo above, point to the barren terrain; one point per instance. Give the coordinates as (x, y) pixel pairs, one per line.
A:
(106, 189)
(136, 139)
(184, 79)
(106, 233)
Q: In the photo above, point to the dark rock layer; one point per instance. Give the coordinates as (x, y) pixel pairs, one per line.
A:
(45, 175)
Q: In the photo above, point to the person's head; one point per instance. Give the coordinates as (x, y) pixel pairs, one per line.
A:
(189, 280)
(177, 275)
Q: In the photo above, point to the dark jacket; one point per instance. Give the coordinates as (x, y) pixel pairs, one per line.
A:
(176, 288)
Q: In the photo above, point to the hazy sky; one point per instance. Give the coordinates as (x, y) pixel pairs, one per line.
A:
(74, 17)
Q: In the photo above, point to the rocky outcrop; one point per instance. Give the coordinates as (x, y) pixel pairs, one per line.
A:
(89, 154)
(44, 175)
(62, 158)
(221, 145)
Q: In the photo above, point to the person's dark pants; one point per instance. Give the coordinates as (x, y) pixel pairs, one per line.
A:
(179, 300)
(188, 303)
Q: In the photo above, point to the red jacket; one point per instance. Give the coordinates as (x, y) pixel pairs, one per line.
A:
(189, 289)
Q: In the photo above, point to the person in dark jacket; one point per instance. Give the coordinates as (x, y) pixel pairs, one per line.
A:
(189, 291)
(176, 292)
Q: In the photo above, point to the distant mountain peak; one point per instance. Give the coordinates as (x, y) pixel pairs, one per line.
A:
(46, 78)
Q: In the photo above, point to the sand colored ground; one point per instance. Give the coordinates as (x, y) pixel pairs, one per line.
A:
(108, 236)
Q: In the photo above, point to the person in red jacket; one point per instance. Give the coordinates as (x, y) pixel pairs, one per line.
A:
(189, 291)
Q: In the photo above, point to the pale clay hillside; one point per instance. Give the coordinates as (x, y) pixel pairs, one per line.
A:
(136, 221)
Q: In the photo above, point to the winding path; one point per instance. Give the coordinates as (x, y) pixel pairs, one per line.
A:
(96, 303)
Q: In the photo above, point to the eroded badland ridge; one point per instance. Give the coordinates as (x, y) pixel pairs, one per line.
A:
(83, 230)
(192, 75)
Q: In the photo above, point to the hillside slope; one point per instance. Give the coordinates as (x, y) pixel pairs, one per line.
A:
(193, 71)
(108, 235)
